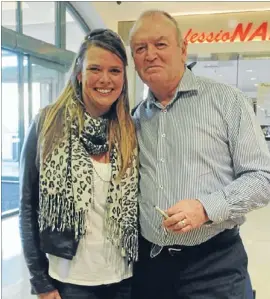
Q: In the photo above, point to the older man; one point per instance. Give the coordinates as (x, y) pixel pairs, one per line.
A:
(204, 161)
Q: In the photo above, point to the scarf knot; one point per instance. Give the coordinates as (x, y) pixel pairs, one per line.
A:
(94, 135)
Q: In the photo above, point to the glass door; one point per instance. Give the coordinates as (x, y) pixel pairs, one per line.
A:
(10, 115)
(45, 82)
(28, 84)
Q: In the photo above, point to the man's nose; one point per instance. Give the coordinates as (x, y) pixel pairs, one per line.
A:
(151, 53)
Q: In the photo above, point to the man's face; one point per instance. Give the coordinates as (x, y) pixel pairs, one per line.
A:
(158, 57)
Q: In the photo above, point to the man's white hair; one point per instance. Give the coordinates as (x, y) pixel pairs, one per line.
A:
(150, 13)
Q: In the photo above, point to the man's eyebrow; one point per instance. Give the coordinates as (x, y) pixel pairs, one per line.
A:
(155, 39)
(161, 37)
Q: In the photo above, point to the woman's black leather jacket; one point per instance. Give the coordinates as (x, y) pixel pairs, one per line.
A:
(35, 243)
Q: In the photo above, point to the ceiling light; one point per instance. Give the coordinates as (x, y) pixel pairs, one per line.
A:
(249, 71)
(253, 78)
(256, 84)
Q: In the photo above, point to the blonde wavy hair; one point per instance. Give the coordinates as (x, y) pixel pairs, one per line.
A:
(60, 115)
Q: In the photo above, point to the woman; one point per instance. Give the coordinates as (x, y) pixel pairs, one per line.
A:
(79, 198)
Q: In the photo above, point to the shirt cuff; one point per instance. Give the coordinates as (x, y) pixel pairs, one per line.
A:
(216, 206)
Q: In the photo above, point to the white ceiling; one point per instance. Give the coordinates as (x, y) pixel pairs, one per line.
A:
(111, 12)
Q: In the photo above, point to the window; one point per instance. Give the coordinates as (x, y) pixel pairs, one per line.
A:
(10, 131)
(249, 74)
(224, 71)
(33, 76)
(74, 32)
(46, 85)
(254, 80)
(39, 20)
(10, 117)
(9, 14)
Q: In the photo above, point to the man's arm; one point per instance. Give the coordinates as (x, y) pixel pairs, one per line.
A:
(251, 163)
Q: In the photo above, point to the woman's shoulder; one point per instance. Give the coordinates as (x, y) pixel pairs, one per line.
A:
(44, 110)
(40, 116)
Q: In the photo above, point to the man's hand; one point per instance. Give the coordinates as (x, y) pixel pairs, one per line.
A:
(186, 215)
(50, 295)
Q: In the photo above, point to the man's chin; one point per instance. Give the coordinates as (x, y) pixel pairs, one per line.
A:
(155, 79)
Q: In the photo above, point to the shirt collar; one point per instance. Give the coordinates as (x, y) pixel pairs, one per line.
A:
(187, 83)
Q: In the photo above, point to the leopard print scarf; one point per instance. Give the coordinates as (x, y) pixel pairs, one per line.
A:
(66, 190)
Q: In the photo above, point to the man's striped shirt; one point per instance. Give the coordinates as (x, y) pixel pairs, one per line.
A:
(204, 145)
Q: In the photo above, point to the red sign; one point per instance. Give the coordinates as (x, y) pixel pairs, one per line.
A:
(241, 33)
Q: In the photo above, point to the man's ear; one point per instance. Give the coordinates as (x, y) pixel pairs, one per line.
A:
(184, 47)
(184, 50)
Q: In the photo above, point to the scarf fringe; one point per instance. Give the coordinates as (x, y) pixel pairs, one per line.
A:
(130, 243)
(58, 213)
(125, 238)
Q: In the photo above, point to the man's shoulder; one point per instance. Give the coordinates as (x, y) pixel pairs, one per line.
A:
(213, 84)
(218, 89)
(137, 107)
(222, 92)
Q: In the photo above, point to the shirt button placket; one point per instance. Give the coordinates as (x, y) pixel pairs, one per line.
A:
(161, 150)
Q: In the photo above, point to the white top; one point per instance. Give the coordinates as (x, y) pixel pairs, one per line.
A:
(92, 265)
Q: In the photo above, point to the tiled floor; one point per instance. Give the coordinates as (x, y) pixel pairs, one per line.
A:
(15, 283)
(255, 233)
(256, 236)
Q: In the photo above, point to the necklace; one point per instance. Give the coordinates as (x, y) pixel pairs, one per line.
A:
(102, 179)
(92, 205)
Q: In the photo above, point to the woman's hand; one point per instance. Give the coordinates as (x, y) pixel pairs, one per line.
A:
(50, 295)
